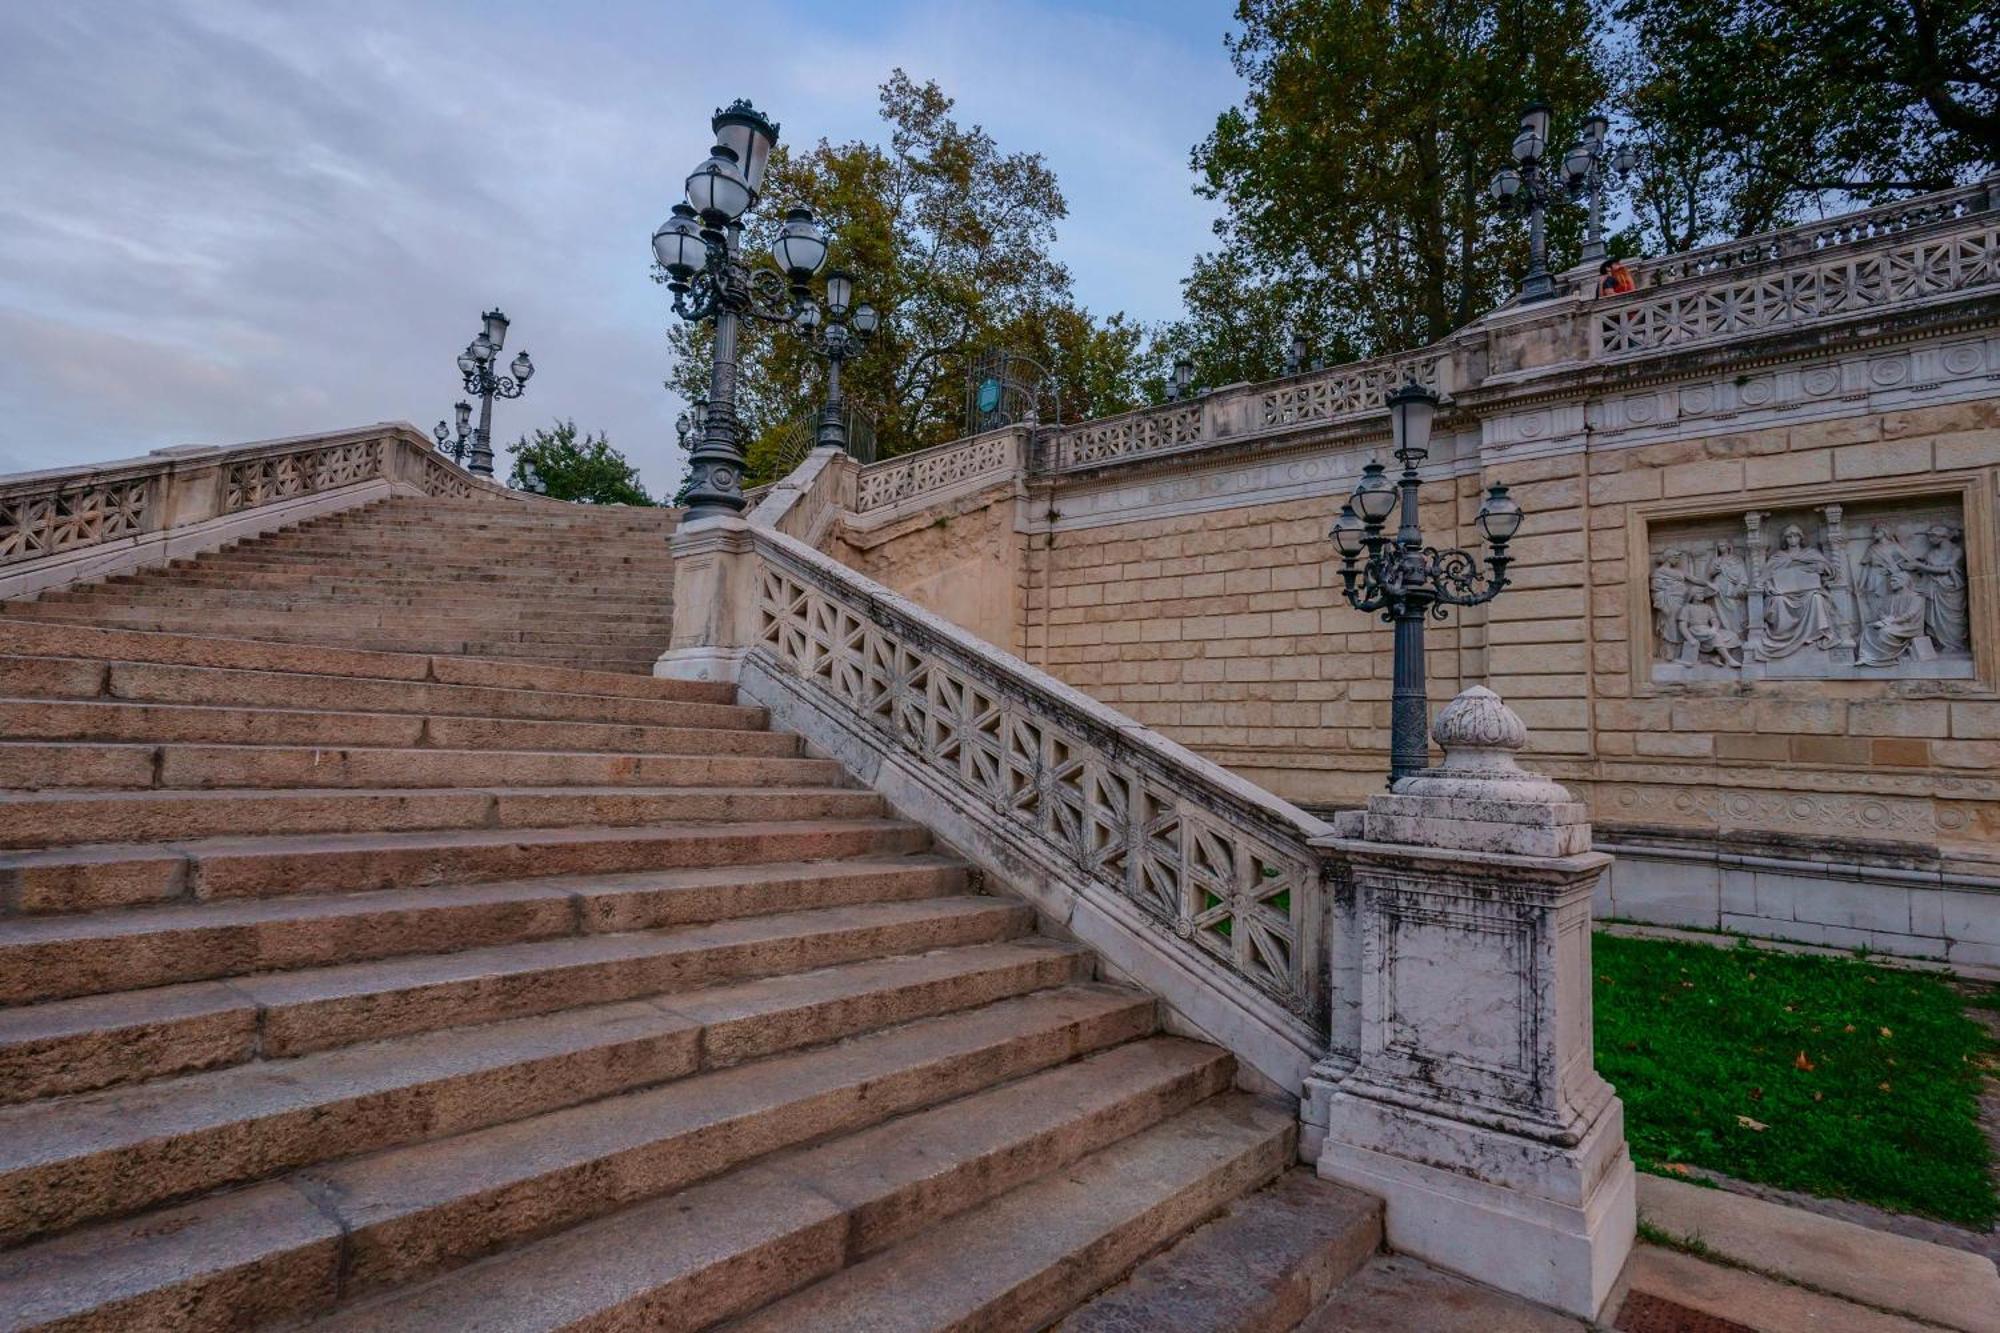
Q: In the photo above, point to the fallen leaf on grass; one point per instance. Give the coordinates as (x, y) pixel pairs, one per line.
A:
(1748, 1123)
(1848, 1028)
(1819, 1096)
(1883, 1086)
(1799, 1061)
(1885, 1032)
(1678, 1168)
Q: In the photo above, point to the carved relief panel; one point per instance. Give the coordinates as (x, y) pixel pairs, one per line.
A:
(1866, 591)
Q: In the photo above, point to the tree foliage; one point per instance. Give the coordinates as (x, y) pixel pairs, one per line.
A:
(949, 236)
(1354, 174)
(1753, 114)
(584, 468)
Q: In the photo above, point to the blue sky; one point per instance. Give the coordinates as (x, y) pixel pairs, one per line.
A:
(226, 220)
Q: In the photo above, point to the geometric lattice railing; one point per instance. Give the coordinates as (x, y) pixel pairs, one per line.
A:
(894, 480)
(1894, 272)
(60, 517)
(1343, 391)
(1231, 878)
(273, 477)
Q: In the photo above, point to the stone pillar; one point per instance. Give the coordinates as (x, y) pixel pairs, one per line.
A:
(1472, 1106)
(715, 598)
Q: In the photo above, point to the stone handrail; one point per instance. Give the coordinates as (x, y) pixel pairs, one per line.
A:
(64, 525)
(1893, 219)
(1200, 885)
(929, 473)
(1899, 270)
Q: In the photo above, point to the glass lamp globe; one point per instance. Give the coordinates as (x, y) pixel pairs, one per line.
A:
(1576, 162)
(1375, 498)
(806, 316)
(463, 411)
(1506, 184)
(467, 363)
(866, 320)
(1499, 516)
(839, 292)
(1596, 126)
(748, 133)
(1411, 409)
(716, 189)
(481, 349)
(678, 245)
(496, 329)
(801, 246)
(1528, 146)
(522, 368)
(1348, 531)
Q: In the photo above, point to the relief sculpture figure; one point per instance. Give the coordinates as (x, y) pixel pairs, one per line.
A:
(1671, 581)
(1703, 632)
(1941, 582)
(1884, 555)
(1730, 578)
(1898, 627)
(1799, 610)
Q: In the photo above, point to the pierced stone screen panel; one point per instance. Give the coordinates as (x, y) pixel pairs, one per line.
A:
(42, 523)
(1245, 900)
(275, 477)
(1868, 591)
(894, 480)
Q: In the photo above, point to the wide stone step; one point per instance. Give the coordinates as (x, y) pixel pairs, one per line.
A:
(733, 1245)
(168, 724)
(371, 620)
(65, 818)
(69, 1160)
(1023, 1260)
(153, 682)
(580, 610)
(86, 646)
(58, 957)
(297, 1246)
(42, 766)
(99, 876)
(360, 576)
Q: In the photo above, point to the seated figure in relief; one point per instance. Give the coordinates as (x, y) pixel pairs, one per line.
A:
(1704, 632)
(1898, 627)
(1799, 610)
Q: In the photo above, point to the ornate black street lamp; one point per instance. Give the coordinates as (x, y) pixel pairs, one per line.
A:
(476, 363)
(841, 336)
(1588, 167)
(1406, 580)
(701, 248)
(456, 447)
(1527, 191)
(1182, 381)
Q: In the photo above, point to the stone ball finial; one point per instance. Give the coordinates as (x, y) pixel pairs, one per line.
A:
(1478, 731)
(1480, 735)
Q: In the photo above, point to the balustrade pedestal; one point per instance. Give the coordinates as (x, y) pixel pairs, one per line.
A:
(1472, 1106)
(715, 599)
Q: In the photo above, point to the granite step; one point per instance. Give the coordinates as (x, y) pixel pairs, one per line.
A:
(296, 1245)
(51, 819)
(59, 957)
(34, 765)
(95, 877)
(1023, 1260)
(65, 1161)
(110, 722)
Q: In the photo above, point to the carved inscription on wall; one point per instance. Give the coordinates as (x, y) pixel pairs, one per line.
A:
(1831, 591)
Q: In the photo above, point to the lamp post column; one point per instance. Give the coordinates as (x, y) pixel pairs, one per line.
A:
(833, 415)
(482, 438)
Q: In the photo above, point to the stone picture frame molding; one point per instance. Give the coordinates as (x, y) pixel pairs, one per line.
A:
(1974, 490)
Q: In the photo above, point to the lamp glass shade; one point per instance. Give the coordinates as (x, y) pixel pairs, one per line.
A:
(1535, 118)
(1506, 184)
(801, 246)
(866, 320)
(807, 315)
(1528, 146)
(1299, 349)
(1623, 159)
(531, 478)
(748, 133)
(1183, 373)
(522, 368)
(1576, 162)
(1348, 531)
(683, 424)
(1411, 409)
(1596, 126)
(716, 189)
(481, 349)
(678, 245)
(1499, 516)
(467, 363)
(839, 292)
(496, 329)
(464, 413)
(1375, 497)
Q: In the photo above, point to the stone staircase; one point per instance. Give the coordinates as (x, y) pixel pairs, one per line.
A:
(571, 585)
(424, 991)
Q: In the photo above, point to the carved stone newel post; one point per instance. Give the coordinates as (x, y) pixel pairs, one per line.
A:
(715, 598)
(1473, 1107)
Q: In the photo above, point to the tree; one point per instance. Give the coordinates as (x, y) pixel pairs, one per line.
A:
(1754, 113)
(1354, 174)
(949, 237)
(585, 469)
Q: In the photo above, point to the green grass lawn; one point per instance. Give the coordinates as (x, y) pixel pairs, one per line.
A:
(1825, 1075)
